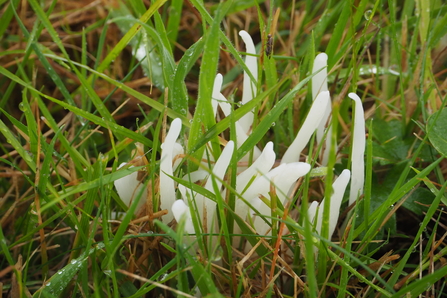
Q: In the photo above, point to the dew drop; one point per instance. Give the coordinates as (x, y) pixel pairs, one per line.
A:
(368, 14)
(218, 254)
(22, 107)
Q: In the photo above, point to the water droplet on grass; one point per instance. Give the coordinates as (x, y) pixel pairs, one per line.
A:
(22, 107)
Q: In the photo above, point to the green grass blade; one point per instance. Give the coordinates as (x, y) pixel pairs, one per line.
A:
(175, 14)
(54, 286)
(180, 93)
(204, 116)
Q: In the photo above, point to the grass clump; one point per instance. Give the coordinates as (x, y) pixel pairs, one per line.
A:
(88, 86)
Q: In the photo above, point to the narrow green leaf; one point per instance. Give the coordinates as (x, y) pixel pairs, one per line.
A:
(180, 93)
(175, 14)
(204, 115)
(54, 286)
(7, 15)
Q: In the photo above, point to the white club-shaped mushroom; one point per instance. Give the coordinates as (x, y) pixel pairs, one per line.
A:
(180, 210)
(249, 85)
(206, 206)
(219, 99)
(261, 166)
(319, 84)
(319, 81)
(338, 187)
(219, 170)
(167, 186)
(282, 178)
(358, 150)
(313, 119)
(128, 189)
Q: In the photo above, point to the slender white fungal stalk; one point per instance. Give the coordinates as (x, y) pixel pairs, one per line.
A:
(312, 211)
(219, 99)
(338, 187)
(311, 123)
(282, 178)
(319, 84)
(128, 189)
(206, 208)
(358, 150)
(180, 209)
(261, 166)
(167, 186)
(319, 81)
(249, 90)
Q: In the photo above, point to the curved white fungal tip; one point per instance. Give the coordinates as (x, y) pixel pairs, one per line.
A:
(214, 182)
(321, 58)
(248, 41)
(339, 187)
(216, 92)
(319, 84)
(128, 188)
(282, 178)
(354, 96)
(301, 168)
(181, 210)
(358, 150)
(312, 211)
(319, 81)
(167, 186)
(176, 126)
(249, 87)
(269, 147)
(221, 165)
(261, 165)
(343, 179)
(313, 119)
(218, 83)
(287, 176)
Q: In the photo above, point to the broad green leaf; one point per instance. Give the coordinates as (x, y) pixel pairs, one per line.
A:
(436, 130)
